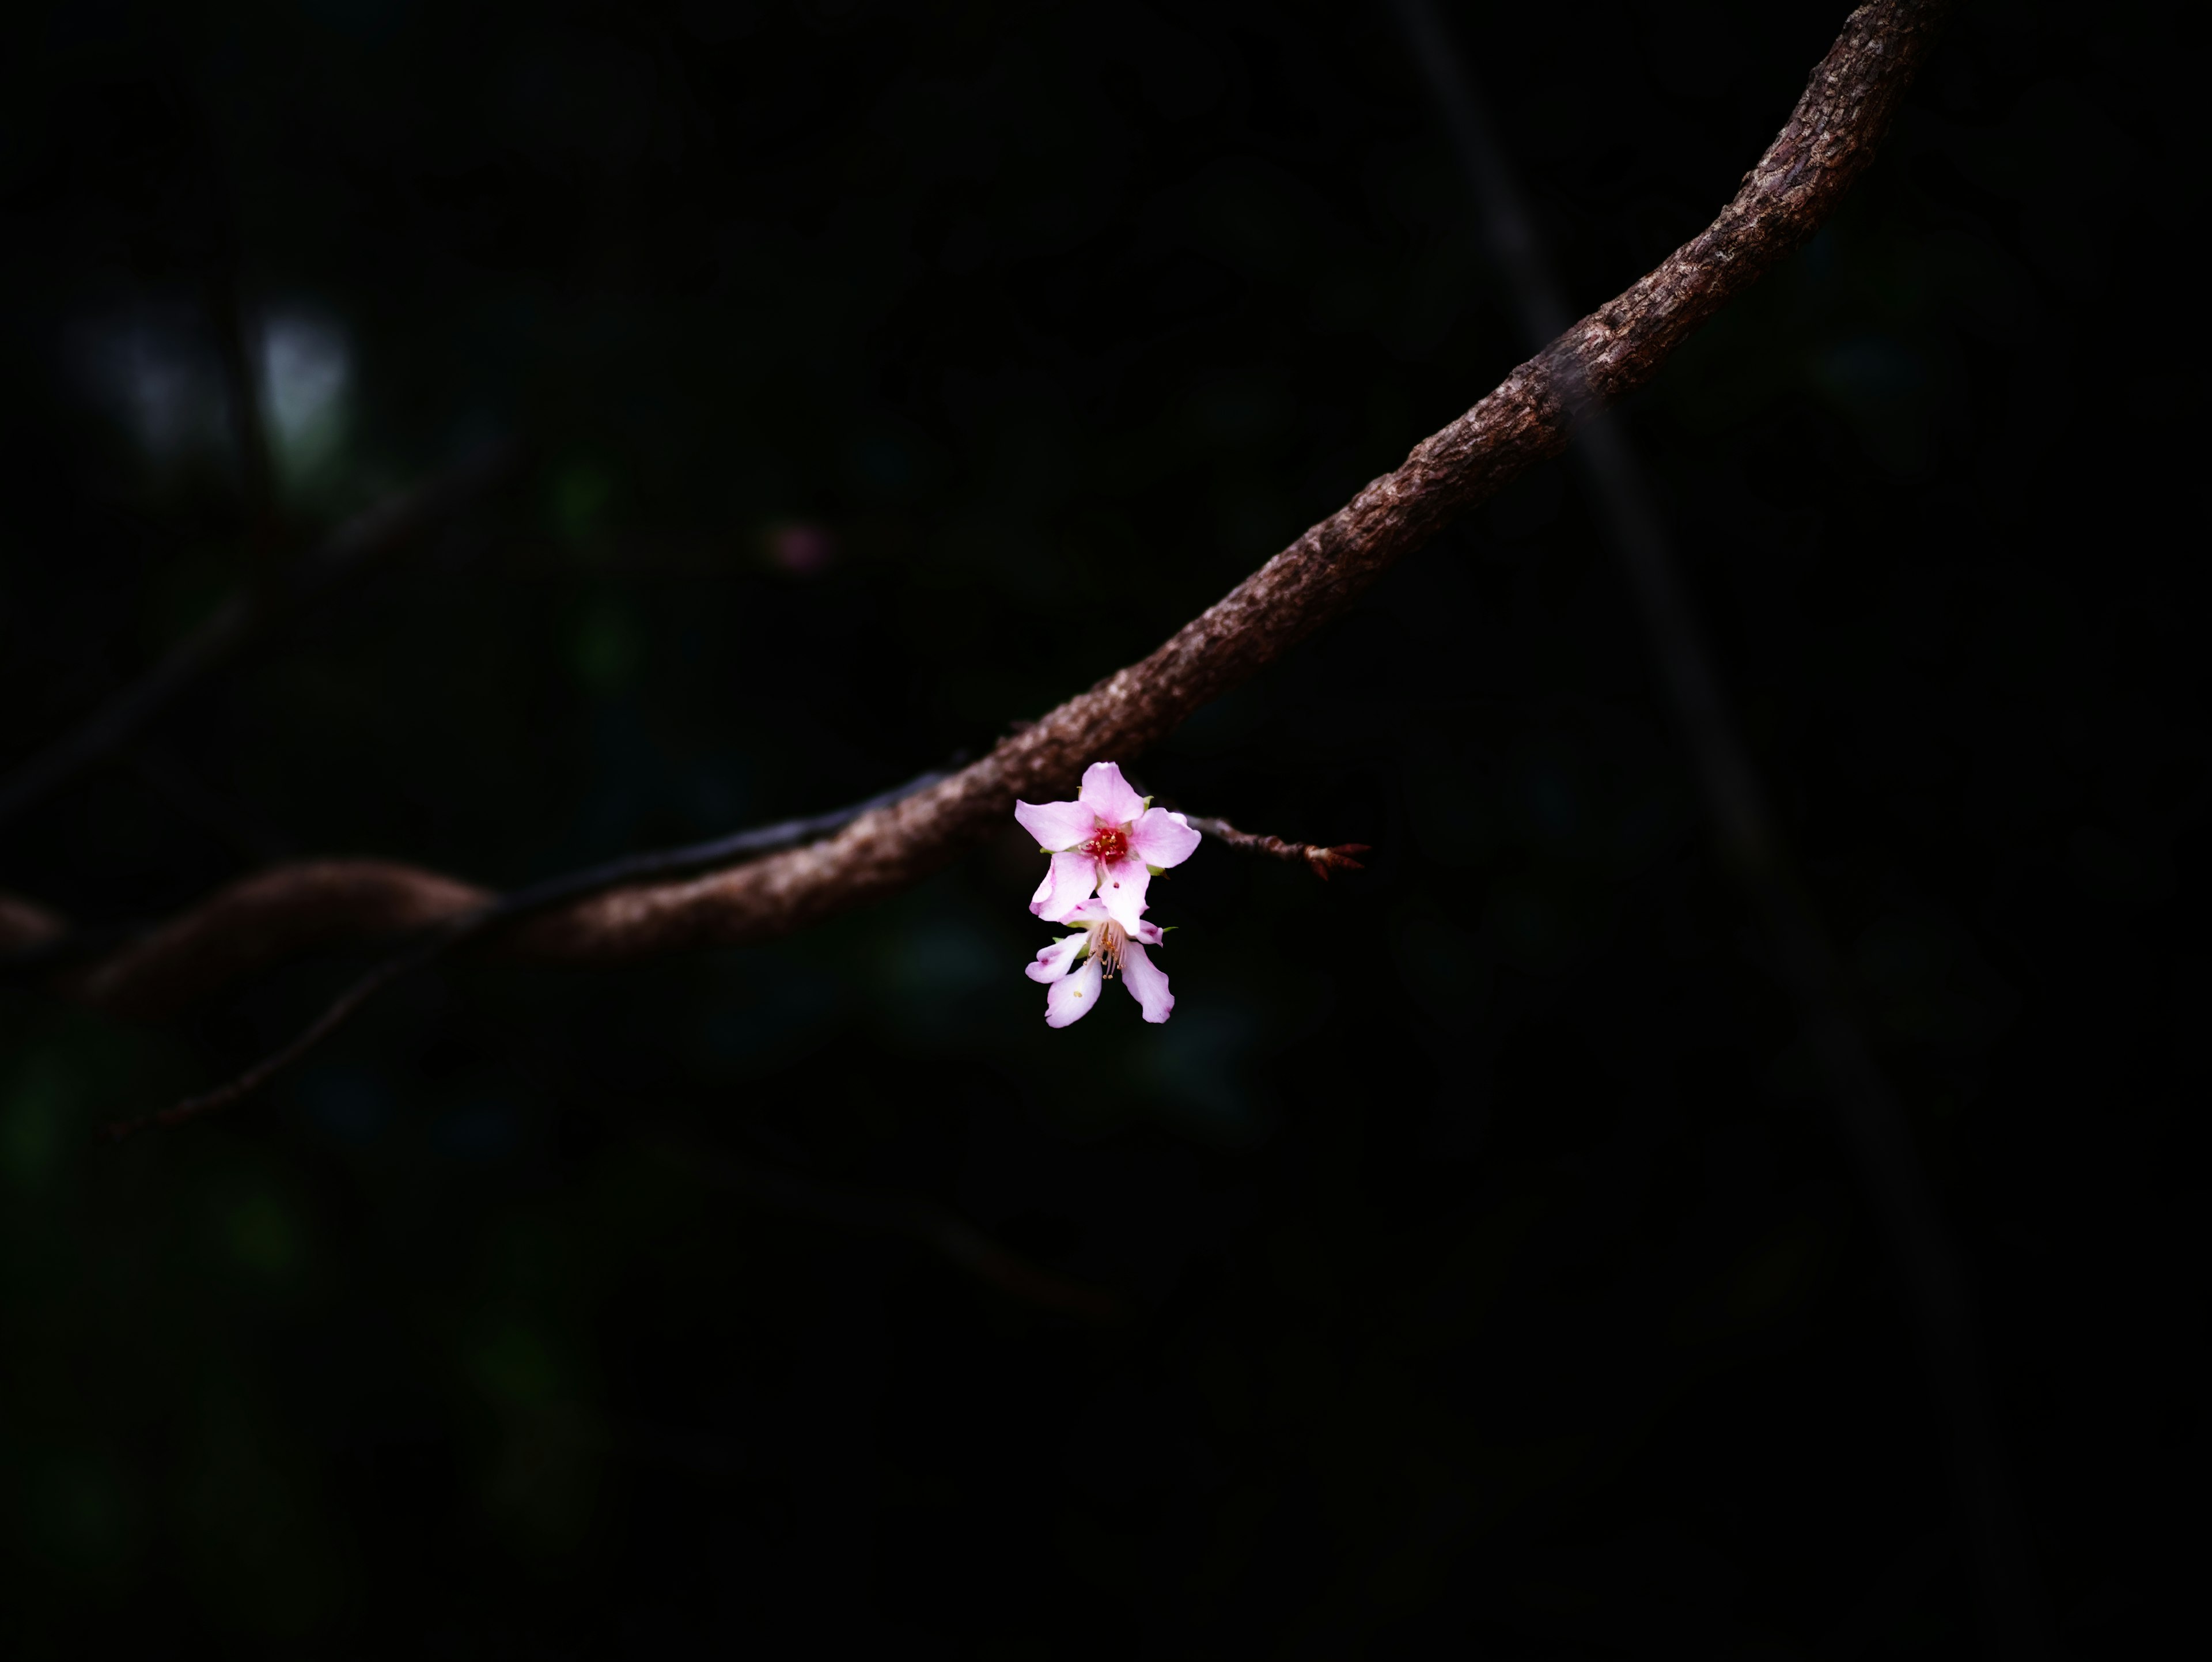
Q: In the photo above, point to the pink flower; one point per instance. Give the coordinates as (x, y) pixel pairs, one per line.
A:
(1107, 840)
(1104, 946)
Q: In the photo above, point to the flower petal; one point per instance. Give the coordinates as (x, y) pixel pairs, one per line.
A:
(1071, 998)
(1162, 838)
(1121, 885)
(1091, 910)
(1056, 825)
(1057, 959)
(1067, 883)
(1109, 796)
(1147, 982)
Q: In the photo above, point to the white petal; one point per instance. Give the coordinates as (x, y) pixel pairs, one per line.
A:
(1163, 838)
(1055, 961)
(1147, 982)
(1066, 886)
(1109, 796)
(1057, 825)
(1121, 885)
(1071, 998)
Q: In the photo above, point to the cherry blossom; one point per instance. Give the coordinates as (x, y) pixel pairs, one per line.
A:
(1104, 946)
(1111, 840)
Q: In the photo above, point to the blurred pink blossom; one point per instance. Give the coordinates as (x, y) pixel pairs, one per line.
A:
(801, 549)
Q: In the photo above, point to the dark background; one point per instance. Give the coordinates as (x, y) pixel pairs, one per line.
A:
(891, 372)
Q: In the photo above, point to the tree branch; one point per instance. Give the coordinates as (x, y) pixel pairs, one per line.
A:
(347, 896)
(1829, 140)
(1319, 861)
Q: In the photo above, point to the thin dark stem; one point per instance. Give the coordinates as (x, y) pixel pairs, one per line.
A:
(454, 932)
(360, 542)
(942, 1230)
(232, 322)
(1865, 1109)
(1320, 861)
(234, 334)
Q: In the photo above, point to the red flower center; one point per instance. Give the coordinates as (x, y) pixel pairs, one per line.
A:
(1110, 842)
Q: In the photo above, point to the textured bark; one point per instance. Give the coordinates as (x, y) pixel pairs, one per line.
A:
(263, 922)
(1830, 139)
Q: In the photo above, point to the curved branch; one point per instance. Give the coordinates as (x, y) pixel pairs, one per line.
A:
(265, 920)
(1830, 139)
(262, 920)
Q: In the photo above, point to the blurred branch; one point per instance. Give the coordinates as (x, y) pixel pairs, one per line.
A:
(231, 323)
(242, 833)
(361, 542)
(331, 897)
(1865, 1108)
(958, 1242)
(1319, 861)
(233, 327)
(1830, 138)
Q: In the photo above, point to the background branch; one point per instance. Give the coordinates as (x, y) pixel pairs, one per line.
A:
(380, 532)
(1865, 1109)
(462, 915)
(967, 1248)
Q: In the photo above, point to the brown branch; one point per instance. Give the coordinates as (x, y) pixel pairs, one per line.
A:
(1319, 861)
(1829, 140)
(363, 541)
(301, 907)
(264, 920)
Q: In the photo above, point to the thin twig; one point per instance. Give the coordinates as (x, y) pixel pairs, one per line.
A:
(1320, 861)
(231, 323)
(936, 1227)
(1865, 1107)
(379, 532)
(444, 937)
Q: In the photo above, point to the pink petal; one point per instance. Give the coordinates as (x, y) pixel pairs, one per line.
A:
(1055, 961)
(1162, 838)
(1150, 934)
(1121, 885)
(1056, 825)
(1092, 911)
(1071, 999)
(1067, 883)
(1107, 794)
(1146, 981)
